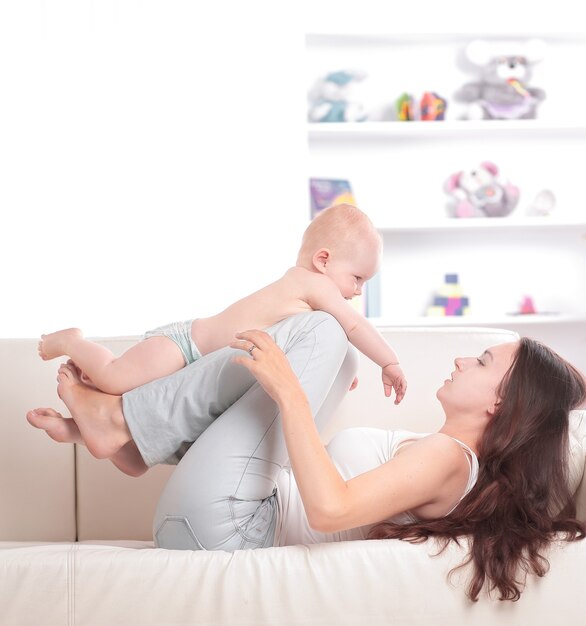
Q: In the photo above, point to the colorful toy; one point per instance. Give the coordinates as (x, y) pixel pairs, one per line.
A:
(527, 307)
(449, 300)
(432, 107)
(406, 108)
(480, 193)
(503, 91)
(334, 99)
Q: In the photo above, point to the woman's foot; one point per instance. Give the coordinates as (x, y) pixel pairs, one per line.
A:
(129, 460)
(57, 344)
(98, 415)
(65, 430)
(59, 428)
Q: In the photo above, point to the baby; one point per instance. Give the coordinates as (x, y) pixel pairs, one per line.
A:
(340, 251)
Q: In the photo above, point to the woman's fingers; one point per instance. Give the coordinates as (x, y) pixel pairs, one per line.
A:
(255, 342)
(268, 364)
(259, 338)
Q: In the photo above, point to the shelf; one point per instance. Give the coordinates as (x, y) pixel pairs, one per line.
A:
(472, 320)
(482, 223)
(398, 169)
(428, 130)
(376, 38)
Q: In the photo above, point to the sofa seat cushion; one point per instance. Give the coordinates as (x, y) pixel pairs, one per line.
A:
(348, 583)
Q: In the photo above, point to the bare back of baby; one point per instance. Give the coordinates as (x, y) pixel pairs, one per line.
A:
(261, 309)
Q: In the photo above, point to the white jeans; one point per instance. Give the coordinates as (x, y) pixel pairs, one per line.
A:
(222, 496)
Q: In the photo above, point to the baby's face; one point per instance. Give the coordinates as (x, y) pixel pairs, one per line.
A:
(350, 272)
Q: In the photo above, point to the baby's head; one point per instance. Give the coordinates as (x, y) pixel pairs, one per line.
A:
(342, 243)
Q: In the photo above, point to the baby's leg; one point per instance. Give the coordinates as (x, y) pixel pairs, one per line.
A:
(58, 344)
(71, 342)
(146, 361)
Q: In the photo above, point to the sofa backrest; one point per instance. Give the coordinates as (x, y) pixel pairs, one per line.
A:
(54, 491)
(58, 492)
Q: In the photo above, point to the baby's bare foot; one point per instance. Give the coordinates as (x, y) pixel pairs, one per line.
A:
(98, 415)
(57, 344)
(59, 428)
(84, 378)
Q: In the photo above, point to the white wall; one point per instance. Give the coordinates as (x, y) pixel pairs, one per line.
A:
(151, 159)
(153, 152)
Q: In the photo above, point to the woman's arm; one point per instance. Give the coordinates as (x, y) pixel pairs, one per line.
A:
(429, 474)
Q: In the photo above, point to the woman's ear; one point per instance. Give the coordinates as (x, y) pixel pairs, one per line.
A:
(320, 259)
(493, 408)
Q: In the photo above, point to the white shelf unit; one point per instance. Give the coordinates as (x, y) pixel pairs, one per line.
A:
(444, 129)
(494, 223)
(398, 169)
(505, 321)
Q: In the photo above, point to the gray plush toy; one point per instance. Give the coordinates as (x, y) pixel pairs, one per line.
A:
(503, 92)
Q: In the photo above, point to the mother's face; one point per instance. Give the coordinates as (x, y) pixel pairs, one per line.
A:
(471, 390)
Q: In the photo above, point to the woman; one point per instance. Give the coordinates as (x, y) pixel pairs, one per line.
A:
(232, 490)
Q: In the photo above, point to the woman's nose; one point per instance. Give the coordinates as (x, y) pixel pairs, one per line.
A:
(463, 362)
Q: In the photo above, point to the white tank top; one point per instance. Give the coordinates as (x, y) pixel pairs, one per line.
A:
(353, 451)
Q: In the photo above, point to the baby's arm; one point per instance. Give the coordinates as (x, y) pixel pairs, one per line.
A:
(323, 295)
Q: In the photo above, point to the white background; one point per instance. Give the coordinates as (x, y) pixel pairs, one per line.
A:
(153, 156)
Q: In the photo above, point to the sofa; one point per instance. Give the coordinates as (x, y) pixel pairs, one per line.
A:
(76, 539)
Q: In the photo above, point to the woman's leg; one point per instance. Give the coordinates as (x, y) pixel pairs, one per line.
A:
(167, 415)
(221, 496)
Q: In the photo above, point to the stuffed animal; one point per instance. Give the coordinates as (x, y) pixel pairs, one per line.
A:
(334, 99)
(479, 193)
(503, 91)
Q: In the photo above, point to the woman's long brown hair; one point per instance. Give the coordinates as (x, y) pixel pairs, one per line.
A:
(521, 499)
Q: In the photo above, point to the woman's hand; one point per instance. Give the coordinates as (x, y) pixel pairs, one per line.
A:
(267, 363)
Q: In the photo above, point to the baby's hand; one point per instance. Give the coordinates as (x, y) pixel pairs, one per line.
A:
(393, 378)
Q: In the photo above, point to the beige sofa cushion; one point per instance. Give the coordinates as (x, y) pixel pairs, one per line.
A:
(58, 492)
(374, 583)
(111, 505)
(37, 476)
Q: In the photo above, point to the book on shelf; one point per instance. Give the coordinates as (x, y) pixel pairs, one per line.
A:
(368, 302)
(325, 192)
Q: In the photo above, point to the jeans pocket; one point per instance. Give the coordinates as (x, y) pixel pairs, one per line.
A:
(254, 521)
